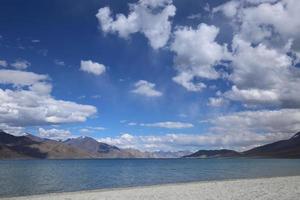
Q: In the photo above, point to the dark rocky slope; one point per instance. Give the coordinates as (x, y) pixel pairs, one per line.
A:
(214, 154)
(289, 148)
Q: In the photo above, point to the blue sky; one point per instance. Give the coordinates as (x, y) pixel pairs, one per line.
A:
(151, 74)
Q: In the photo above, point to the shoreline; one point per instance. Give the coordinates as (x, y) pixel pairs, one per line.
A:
(286, 187)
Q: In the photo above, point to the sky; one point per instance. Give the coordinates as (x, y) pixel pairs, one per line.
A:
(151, 74)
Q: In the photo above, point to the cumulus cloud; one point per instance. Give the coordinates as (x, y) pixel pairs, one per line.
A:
(21, 78)
(269, 21)
(28, 108)
(265, 51)
(230, 8)
(30, 103)
(146, 88)
(197, 53)
(92, 67)
(54, 134)
(149, 17)
(277, 80)
(20, 64)
(281, 17)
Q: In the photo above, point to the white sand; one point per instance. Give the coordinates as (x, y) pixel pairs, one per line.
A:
(281, 188)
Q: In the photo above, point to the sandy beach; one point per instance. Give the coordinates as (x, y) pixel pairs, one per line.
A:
(279, 188)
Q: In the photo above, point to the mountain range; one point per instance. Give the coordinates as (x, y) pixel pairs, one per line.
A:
(32, 147)
(289, 148)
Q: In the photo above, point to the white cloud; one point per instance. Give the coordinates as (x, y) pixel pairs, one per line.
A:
(240, 131)
(35, 82)
(55, 134)
(31, 103)
(197, 53)
(91, 129)
(175, 142)
(20, 78)
(41, 88)
(216, 102)
(149, 17)
(229, 8)
(249, 62)
(21, 64)
(256, 2)
(97, 128)
(27, 108)
(279, 124)
(265, 49)
(14, 130)
(132, 124)
(146, 88)
(185, 79)
(169, 125)
(269, 21)
(92, 67)
(3, 63)
(263, 76)
(166, 124)
(281, 16)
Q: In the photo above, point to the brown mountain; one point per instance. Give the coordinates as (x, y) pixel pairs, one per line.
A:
(91, 145)
(289, 148)
(33, 147)
(103, 150)
(29, 146)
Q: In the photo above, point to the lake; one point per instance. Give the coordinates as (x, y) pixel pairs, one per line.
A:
(27, 177)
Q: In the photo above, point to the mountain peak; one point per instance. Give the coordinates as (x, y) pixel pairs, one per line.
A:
(34, 137)
(297, 135)
(85, 138)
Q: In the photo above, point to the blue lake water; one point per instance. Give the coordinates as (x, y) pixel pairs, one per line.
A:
(27, 177)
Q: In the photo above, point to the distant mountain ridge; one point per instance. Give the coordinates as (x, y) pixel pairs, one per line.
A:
(214, 154)
(102, 150)
(90, 145)
(29, 146)
(33, 147)
(289, 148)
